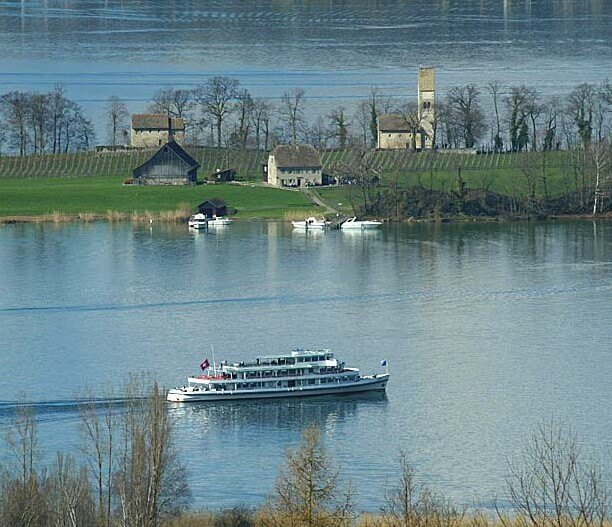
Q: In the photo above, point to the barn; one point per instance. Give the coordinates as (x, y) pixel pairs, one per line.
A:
(170, 165)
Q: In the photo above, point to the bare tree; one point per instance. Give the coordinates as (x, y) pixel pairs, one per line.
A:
(551, 109)
(581, 107)
(534, 109)
(69, 495)
(363, 119)
(98, 433)
(316, 134)
(339, 126)
(602, 111)
(516, 104)
(22, 492)
(150, 482)
(377, 104)
(291, 112)
(244, 108)
(216, 98)
(495, 89)
(357, 170)
(599, 157)
(116, 118)
(39, 116)
(58, 109)
(463, 104)
(260, 116)
(409, 504)
(15, 110)
(553, 483)
(173, 102)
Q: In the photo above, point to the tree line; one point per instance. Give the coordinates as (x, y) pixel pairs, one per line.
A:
(223, 113)
(38, 123)
(128, 474)
(517, 118)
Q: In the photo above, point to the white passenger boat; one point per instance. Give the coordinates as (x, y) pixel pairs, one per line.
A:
(311, 223)
(354, 223)
(298, 373)
(198, 221)
(217, 221)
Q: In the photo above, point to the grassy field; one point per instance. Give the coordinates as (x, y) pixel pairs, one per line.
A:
(98, 195)
(408, 167)
(91, 182)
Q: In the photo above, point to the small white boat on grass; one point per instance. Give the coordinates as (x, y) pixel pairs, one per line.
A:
(217, 221)
(198, 221)
(355, 224)
(311, 223)
(298, 373)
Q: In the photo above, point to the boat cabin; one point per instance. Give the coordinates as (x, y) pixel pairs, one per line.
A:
(295, 369)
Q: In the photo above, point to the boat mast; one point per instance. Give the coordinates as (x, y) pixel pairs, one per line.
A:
(212, 350)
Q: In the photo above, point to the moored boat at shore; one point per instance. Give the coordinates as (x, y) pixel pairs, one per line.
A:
(355, 224)
(311, 223)
(198, 221)
(298, 373)
(217, 221)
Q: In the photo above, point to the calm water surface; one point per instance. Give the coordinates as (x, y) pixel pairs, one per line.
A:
(335, 49)
(487, 329)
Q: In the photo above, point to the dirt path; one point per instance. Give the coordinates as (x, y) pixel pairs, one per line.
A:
(315, 198)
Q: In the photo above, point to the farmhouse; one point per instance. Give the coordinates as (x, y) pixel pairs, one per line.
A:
(151, 130)
(293, 166)
(170, 165)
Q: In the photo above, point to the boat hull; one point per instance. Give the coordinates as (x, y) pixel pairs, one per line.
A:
(365, 384)
(360, 227)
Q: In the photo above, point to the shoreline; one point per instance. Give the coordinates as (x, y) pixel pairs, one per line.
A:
(169, 217)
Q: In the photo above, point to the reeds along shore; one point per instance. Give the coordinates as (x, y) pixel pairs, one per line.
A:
(164, 216)
(127, 472)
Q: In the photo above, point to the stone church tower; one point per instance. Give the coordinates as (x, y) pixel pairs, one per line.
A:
(427, 91)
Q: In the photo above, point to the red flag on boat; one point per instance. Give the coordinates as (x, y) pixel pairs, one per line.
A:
(205, 364)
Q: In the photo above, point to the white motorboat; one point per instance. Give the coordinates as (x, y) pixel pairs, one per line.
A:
(354, 223)
(217, 221)
(298, 373)
(311, 223)
(198, 221)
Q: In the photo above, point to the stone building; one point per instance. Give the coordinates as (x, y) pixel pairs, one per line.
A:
(294, 166)
(170, 165)
(395, 133)
(151, 130)
(394, 130)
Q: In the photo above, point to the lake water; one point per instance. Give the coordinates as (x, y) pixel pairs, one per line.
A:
(488, 329)
(334, 49)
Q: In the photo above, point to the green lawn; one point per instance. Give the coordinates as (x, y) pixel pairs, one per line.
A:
(29, 197)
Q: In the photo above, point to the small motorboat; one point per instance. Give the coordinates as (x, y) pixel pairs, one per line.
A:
(311, 223)
(355, 224)
(198, 221)
(217, 221)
